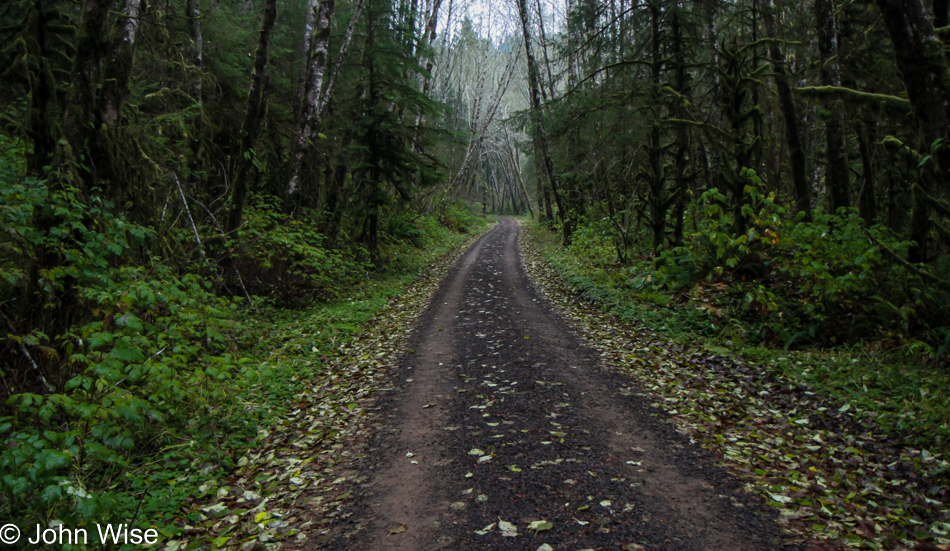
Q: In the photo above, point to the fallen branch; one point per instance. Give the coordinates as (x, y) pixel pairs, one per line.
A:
(910, 266)
(26, 353)
(191, 220)
(227, 251)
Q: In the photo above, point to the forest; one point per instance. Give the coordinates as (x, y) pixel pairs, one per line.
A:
(203, 202)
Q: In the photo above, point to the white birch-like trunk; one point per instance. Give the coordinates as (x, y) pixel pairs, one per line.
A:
(115, 90)
(314, 102)
(319, 54)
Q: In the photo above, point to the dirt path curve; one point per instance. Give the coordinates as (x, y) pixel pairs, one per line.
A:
(501, 412)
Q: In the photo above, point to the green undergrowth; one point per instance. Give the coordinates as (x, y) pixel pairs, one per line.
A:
(894, 388)
(285, 350)
(291, 347)
(134, 374)
(316, 373)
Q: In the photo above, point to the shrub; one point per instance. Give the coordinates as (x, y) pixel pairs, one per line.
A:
(127, 344)
(287, 260)
(791, 282)
(827, 281)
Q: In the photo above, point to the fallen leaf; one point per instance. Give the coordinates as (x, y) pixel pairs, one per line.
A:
(540, 525)
(508, 530)
(486, 529)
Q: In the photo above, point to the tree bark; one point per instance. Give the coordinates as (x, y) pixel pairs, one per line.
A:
(318, 56)
(656, 173)
(118, 68)
(42, 128)
(305, 54)
(796, 152)
(253, 118)
(340, 58)
(197, 49)
(83, 115)
(192, 14)
(544, 53)
(516, 168)
(921, 60)
(429, 36)
(867, 202)
(683, 141)
(838, 173)
(540, 138)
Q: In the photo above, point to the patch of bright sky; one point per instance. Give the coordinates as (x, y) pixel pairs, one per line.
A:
(497, 19)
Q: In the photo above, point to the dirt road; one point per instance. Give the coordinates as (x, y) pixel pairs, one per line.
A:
(502, 413)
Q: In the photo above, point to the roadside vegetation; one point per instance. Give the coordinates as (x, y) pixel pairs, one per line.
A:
(138, 367)
(798, 317)
(847, 444)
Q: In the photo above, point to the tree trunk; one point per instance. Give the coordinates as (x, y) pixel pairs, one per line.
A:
(921, 60)
(306, 51)
(516, 169)
(838, 175)
(429, 37)
(333, 207)
(867, 202)
(197, 58)
(787, 104)
(317, 56)
(118, 68)
(545, 195)
(83, 115)
(197, 48)
(42, 127)
(683, 142)
(544, 52)
(656, 173)
(540, 138)
(341, 57)
(253, 118)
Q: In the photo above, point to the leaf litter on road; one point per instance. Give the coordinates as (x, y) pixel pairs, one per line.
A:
(294, 482)
(835, 479)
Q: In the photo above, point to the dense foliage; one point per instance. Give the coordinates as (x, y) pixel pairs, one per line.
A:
(778, 168)
(169, 174)
(776, 162)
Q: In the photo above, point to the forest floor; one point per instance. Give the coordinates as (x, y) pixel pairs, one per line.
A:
(491, 407)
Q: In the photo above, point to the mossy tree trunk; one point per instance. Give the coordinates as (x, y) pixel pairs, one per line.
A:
(253, 119)
(838, 173)
(83, 115)
(922, 62)
(796, 152)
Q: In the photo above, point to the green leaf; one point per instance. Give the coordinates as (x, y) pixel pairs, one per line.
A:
(540, 525)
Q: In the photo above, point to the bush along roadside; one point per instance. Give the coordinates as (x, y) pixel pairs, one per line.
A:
(132, 384)
(837, 475)
(110, 362)
(315, 376)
